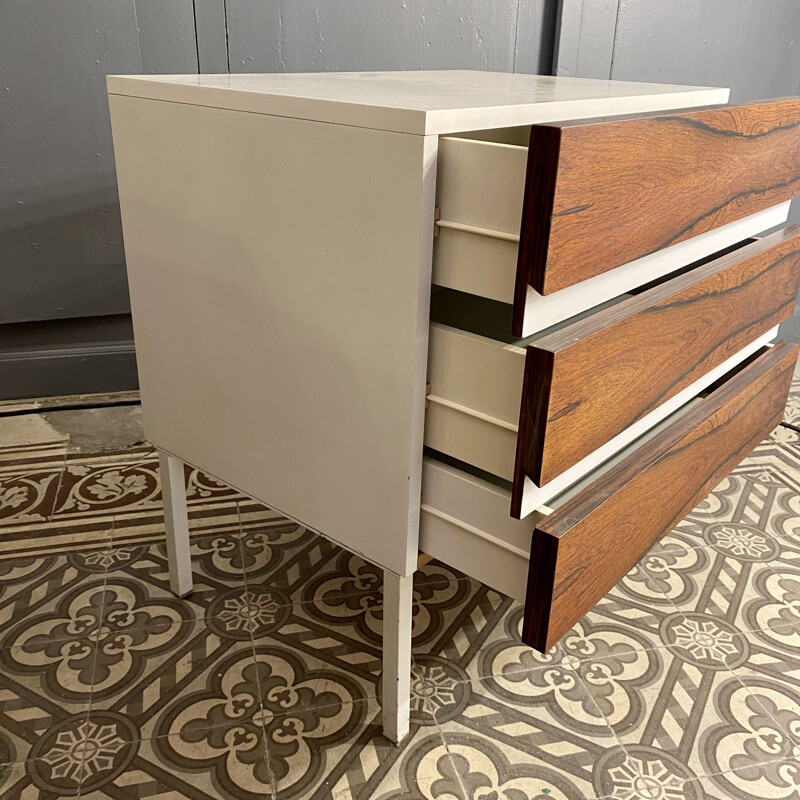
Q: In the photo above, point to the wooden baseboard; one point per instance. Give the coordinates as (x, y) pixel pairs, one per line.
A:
(67, 369)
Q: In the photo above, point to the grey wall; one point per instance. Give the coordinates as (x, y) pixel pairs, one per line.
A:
(61, 255)
(751, 46)
(60, 240)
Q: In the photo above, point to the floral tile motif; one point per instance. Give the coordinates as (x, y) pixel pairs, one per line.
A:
(28, 491)
(732, 565)
(126, 484)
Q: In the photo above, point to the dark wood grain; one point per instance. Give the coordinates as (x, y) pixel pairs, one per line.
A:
(581, 550)
(589, 381)
(601, 193)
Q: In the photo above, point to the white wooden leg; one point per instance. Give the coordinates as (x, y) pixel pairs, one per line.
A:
(397, 605)
(173, 492)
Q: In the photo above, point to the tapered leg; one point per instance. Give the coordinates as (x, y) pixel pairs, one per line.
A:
(397, 604)
(173, 492)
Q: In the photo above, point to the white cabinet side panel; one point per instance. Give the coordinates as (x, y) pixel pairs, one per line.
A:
(280, 279)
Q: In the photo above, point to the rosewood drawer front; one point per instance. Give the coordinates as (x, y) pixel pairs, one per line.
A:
(587, 544)
(557, 218)
(590, 380)
(544, 411)
(601, 193)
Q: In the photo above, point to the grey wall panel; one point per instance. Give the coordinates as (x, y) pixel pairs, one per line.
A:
(536, 33)
(61, 252)
(749, 45)
(58, 200)
(585, 34)
(166, 36)
(322, 35)
(255, 36)
(57, 196)
(212, 36)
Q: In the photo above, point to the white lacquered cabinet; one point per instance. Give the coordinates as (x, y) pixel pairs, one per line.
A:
(284, 235)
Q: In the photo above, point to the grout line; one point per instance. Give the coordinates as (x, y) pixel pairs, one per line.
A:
(262, 714)
(58, 485)
(95, 657)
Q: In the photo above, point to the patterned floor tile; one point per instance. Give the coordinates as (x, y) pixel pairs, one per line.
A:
(93, 487)
(506, 751)
(767, 656)
(753, 497)
(11, 780)
(684, 681)
(779, 702)
(139, 577)
(35, 700)
(341, 606)
(688, 707)
(727, 588)
(344, 756)
(28, 491)
(630, 616)
(60, 769)
(144, 674)
(337, 575)
(792, 412)
(778, 780)
(53, 597)
(210, 764)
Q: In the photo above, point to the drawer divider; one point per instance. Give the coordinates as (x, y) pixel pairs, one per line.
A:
(458, 523)
(472, 412)
(474, 229)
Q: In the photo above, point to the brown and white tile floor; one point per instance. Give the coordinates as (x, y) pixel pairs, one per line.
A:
(684, 682)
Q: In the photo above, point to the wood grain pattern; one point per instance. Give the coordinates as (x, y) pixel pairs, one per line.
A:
(589, 381)
(601, 193)
(580, 551)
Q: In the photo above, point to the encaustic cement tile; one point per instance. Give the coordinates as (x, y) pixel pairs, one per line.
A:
(502, 750)
(344, 756)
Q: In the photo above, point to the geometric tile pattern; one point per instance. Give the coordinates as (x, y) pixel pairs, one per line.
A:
(683, 682)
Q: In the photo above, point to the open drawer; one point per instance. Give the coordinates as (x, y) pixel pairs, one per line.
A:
(543, 411)
(580, 211)
(594, 533)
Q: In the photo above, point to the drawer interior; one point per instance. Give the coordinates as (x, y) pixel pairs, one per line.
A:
(465, 520)
(574, 549)
(493, 319)
(483, 243)
(487, 386)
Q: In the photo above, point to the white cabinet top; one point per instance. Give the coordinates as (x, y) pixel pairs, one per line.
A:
(436, 102)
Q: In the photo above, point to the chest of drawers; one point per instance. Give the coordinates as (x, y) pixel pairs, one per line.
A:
(518, 323)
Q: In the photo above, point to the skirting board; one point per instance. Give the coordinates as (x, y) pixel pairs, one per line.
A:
(71, 369)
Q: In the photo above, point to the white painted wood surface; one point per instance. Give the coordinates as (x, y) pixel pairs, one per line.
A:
(280, 284)
(397, 613)
(176, 522)
(423, 102)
